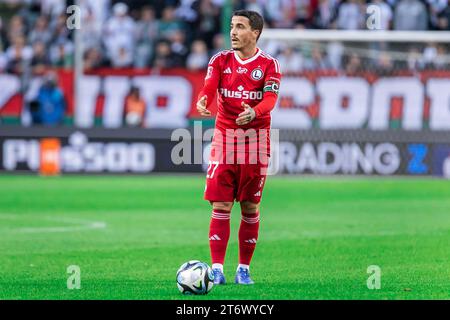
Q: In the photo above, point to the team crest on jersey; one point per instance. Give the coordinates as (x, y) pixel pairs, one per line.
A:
(257, 74)
(241, 70)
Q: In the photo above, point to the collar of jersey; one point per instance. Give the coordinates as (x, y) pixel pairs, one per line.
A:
(249, 59)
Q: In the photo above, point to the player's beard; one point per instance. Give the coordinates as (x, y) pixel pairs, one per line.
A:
(241, 44)
(236, 46)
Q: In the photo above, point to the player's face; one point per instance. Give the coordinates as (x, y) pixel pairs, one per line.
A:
(241, 34)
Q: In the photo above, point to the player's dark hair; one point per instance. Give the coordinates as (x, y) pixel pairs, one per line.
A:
(256, 20)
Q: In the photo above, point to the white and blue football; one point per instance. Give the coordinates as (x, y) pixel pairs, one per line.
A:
(195, 277)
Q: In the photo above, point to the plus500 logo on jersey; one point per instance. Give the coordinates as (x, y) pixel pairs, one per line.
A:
(241, 94)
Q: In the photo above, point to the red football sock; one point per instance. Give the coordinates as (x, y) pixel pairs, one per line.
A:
(219, 233)
(248, 235)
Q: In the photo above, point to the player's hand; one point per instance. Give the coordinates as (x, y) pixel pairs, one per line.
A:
(201, 107)
(247, 116)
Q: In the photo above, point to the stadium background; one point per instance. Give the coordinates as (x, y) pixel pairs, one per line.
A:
(104, 101)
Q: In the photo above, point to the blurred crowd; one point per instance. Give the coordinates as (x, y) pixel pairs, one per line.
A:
(381, 59)
(185, 33)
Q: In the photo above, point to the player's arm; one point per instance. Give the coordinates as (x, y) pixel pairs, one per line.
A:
(210, 86)
(270, 96)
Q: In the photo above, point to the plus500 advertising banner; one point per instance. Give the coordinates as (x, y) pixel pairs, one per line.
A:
(144, 151)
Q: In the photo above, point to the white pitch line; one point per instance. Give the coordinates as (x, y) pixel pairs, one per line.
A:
(7, 216)
(80, 225)
(91, 226)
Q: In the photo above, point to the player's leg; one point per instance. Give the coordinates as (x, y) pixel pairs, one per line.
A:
(219, 234)
(220, 191)
(248, 236)
(251, 184)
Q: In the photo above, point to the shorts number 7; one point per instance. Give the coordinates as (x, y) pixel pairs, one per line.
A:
(210, 166)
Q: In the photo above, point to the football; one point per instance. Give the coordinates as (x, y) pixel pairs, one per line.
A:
(195, 277)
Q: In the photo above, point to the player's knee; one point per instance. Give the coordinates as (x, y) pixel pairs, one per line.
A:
(249, 207)
(222, 206)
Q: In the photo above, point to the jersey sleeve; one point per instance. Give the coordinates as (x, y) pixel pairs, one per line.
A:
(212, 79)
(270, 90)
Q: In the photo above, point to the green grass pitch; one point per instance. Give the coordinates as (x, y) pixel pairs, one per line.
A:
(129, 235)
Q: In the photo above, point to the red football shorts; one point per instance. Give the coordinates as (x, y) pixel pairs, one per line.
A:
(230, 182)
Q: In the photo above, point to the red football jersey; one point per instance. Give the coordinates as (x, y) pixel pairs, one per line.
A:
(235, 81)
